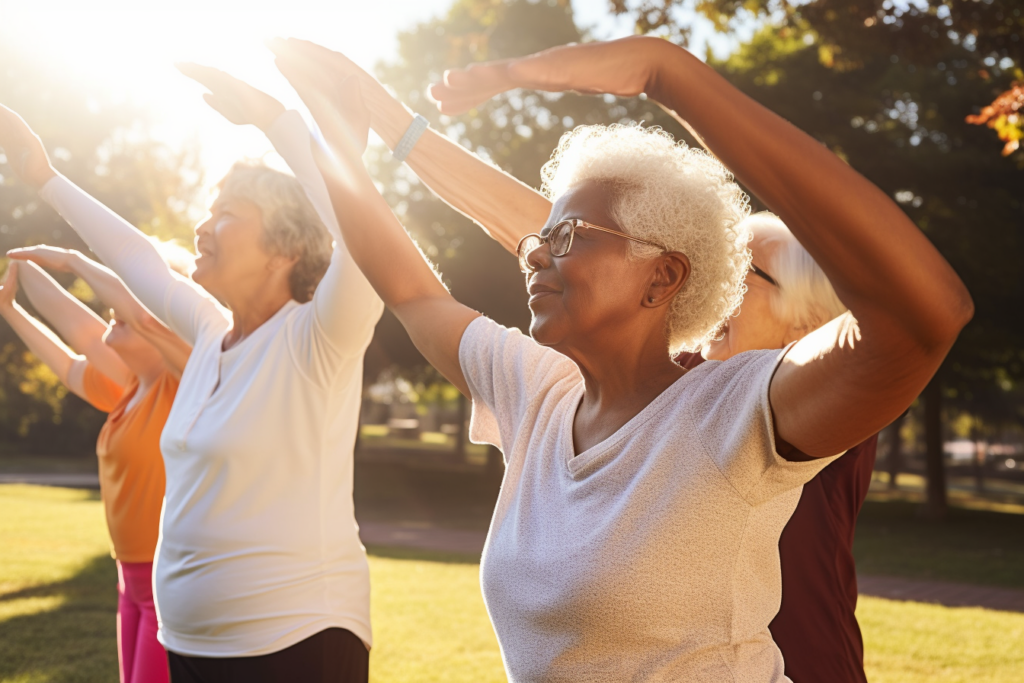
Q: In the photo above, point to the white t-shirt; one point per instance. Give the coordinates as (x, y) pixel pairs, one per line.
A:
(652, 556)
(259, 547)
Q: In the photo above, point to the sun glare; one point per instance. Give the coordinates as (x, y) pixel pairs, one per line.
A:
(129, 49)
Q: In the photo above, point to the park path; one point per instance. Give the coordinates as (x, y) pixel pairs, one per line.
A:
(470, 543)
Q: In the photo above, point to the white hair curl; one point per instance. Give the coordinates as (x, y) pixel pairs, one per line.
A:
(676, 196)
(805, 298)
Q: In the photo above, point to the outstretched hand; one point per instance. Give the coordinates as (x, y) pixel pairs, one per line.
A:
(623, 67)
(336, 104)
(25, 152)
(52, 258)
(234, 99)
(9, 288)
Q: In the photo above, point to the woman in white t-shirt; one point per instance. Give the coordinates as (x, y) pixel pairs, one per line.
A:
(635, 536)
(259, 572)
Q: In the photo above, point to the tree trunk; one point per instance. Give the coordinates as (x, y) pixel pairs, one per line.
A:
(460, 436)
(935, 486)
(980, 448)
(895, 459)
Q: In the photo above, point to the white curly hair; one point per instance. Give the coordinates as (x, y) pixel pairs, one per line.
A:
(666, 192)
(804, 298)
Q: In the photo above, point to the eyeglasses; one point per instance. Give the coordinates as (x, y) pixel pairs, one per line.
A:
(560, 240)
(765, 276)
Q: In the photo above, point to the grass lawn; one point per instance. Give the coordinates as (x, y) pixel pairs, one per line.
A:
(57, 605)
(970, 546)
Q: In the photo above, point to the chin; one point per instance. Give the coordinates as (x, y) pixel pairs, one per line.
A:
(543, 331)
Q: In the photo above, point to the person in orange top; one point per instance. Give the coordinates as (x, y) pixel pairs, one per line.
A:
(130, 370)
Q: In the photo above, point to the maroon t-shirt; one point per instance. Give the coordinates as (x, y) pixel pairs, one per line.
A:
(816, 628)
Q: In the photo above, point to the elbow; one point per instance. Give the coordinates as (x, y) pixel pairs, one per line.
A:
(956, 311)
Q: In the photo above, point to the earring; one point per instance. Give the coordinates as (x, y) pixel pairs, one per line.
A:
(650, 299)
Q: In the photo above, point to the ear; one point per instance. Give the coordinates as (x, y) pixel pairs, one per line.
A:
(671, 271)
(279, 262)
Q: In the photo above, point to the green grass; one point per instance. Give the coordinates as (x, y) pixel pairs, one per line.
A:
(906, 642)
(971, 546)
(58, 600)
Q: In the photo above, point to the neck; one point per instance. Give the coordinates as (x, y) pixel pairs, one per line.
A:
(252, 311)
(627, 374)
(147, 368)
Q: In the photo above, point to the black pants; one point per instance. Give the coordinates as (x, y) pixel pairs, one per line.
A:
(332, 656)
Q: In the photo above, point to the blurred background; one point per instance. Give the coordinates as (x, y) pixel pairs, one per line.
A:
(923, 97)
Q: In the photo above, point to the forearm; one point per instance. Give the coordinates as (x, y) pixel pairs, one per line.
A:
(110, 289)
(42, 342)
(127, 251)
(398, 271)
(880, 264)
(73, 320)
(504, 207)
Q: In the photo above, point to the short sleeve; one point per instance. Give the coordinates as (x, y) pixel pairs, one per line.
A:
(509, 375)
(100, 391)
(733, 419)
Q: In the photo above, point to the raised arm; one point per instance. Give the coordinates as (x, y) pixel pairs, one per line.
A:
(504, 207)
(347, 307)
(126, 250)
(73, 320)
(47, 346)
(849, 379)
(112, 291)
(375, 238)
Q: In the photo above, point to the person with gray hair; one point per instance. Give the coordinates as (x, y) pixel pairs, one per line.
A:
(636, 533)
(259, 572)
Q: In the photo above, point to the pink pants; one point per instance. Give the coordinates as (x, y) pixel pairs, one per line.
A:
(141, 657)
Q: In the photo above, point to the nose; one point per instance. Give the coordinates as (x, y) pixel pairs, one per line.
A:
(205, 227)
(540, 257)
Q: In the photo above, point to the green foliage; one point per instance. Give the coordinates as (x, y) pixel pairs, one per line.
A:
(851, 34)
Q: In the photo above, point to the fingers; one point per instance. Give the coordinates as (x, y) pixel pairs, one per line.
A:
(225, 108)
(465, 89)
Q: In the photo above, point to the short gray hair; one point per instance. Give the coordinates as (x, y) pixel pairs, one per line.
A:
(673, 195)
(291, 226)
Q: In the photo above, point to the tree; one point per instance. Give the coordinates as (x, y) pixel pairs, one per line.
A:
(849, 33)
(887, 96)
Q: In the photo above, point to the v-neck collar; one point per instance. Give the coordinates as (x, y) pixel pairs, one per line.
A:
(597, 455)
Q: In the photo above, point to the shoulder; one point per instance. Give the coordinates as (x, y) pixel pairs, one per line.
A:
(750, 371)
(507, 351)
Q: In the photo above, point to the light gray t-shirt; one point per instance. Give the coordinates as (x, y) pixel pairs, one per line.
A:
(652, 556)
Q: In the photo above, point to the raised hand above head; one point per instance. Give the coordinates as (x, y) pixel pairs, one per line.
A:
(25, 152)
(336, 105)
(236, 100)
(620, 67)
(53, 258)
(9, 286)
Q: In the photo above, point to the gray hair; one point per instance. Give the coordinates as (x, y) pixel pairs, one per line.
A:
(291, 226)
(673, 195)
(805, 298)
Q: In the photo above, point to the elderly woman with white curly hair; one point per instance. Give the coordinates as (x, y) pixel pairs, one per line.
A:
(635, 536)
